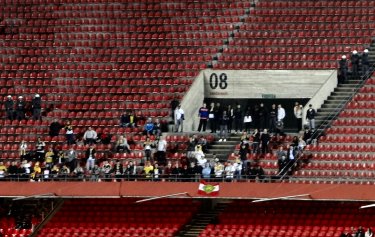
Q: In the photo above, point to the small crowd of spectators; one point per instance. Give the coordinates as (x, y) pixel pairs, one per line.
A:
(20, 109)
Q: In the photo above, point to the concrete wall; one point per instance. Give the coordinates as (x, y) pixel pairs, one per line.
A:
(256, 84)
(191, 103)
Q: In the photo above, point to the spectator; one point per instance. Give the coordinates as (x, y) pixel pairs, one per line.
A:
(23, 149)
(161, 153)
(40, 152)
(118, 171)
(218, 170)
(307, 135)
(157, 128)
(107, 170)
(130, 171)
(244, 150)
(256, 141)
(9, 107)
(78, 172)
(3, 171)
(174, 104)
(71, 158)
(176, 171)
(37, 107)
(280, 113)
(211, 117)
(199, 156)
(69, 133)
(360, 232)
(168, 170)
(247, 119)
(369, 233)
(262, 115)
(301, 143)
(125, 120)
(273, 119)
(203, 117)
(206, 171)
(355, 63)
(193, 141)
(265, 140)
(280, 153)
(90, 136)
(90, 156)
(49, 158)
(218, 112)
(122, 145)
(229, 171)
(179, 119)
(203, 143)
(148, 145)
(148, 169)
(95, 173)
(343, 69)
(310, 116)
(54, 128)
(298, 115)
(282, 163)
(13, 171)
(20, 108)
(237, 165)
(37, 170)
(194, 172)
(365, 62)
(156, 172)
(64, 172)
(148, 127)
(230, 113)
(223, 121)
(238, 118)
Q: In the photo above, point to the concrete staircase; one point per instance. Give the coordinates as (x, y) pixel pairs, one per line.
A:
(199, 222)
(222, 150)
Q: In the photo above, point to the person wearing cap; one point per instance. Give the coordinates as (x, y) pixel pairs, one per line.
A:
(37, 107)
(355, 63)
(343, 69)
(9, 107)
(365, 62)
(20, 108)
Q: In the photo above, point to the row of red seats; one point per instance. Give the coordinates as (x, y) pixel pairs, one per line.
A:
(102, 75)
(364, 110)
(129, 7)
(321, 35)
(343, 157)
(342, 148)
(278, 57)
(335, 174)
(37, 2)
(276, 65)
(47, 63)
(52, 52)
(347, 139)
(105, 66)
(299, 25)
(367, 89)
(349, 130)
(307, 19)
(354, 122)
(368, 97)
(317, 51)
(314, 11)
(302, 41)
(114, 43)
(345, 165)
(314, 4)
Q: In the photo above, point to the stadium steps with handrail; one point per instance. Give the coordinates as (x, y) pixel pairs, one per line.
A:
(200, 221)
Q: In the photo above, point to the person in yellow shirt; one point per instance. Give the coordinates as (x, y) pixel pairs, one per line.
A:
(37, 171)
(148, 170)
(49, 157)
(3, 170)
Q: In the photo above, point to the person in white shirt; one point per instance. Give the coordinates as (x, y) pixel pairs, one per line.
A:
(280, 113)
(90, 136)
(199, 155)
(23, 148)
(179, 118)
(298, 115)
(161, 152)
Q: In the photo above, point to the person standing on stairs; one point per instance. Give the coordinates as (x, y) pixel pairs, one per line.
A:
(223, 121)
(298, 115)
(343, 69)
(203, 118)
(355, 63)
(310, 116)
(365, 62)
(179, 117)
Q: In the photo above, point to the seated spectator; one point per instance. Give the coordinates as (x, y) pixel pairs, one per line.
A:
(64, 172)
(71, 158)
(148, 128)
(95, 173)
(148, 145)
(203, 143)
(194, 172)
(156, 172)
(3, 171)
(55, 171)
(244, 150)
(199, 156)
(229, 171)
(218, 170)
(157, 128)
(23, 149)
(54, 128)
(13, 171)
(168, 170)
(122, 145)
(148, 170)
(78, 172)
(193, 141)
(118, 170)
(90, 136)
(107, 170)
(130, 171)
(176, 171)
(37, 170)
(125, 120)
(256, 172)
(301, 143)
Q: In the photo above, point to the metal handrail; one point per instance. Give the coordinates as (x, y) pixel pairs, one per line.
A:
(337, 110)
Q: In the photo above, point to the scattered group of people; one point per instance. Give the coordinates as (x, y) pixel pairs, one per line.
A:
(360, 232)
(356, 61)
(20, 109)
